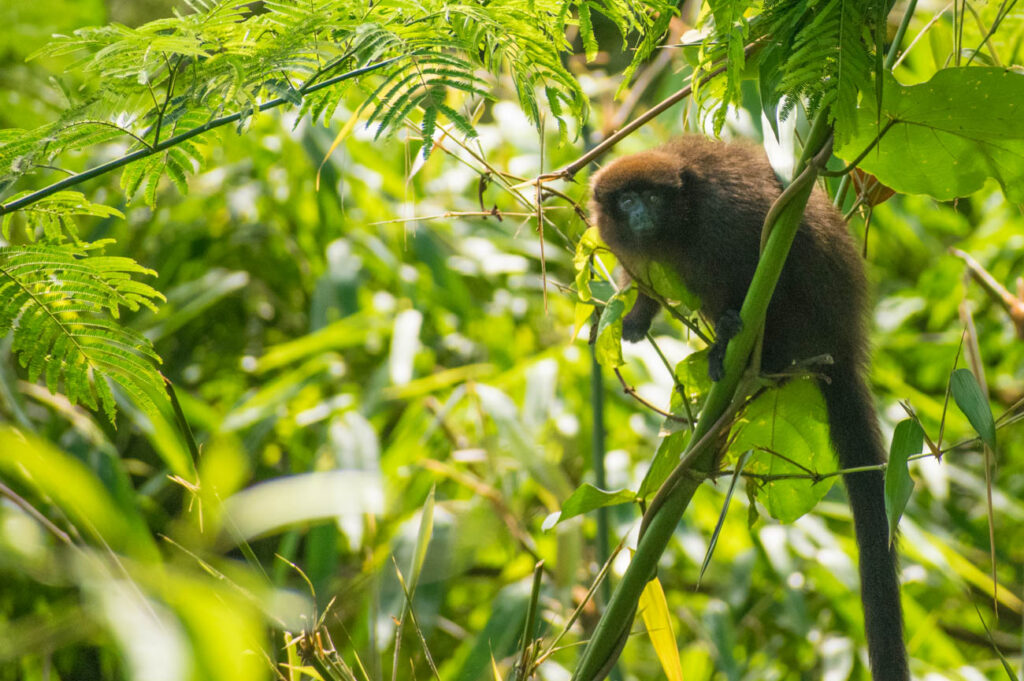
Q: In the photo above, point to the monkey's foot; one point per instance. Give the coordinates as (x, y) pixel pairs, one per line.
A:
(634, 330)
(727, 326)
(637, 321)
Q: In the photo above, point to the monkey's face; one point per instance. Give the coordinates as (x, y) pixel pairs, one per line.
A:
(637, 200)
(640, 211)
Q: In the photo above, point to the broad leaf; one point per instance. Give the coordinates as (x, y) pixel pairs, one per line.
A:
(948, 135)
(787, 430)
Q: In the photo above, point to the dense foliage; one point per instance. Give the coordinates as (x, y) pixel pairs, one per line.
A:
(291, 385)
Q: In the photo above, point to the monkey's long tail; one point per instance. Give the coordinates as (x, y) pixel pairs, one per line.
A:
(858, 442)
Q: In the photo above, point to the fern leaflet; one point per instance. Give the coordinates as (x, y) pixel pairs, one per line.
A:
(61, 305)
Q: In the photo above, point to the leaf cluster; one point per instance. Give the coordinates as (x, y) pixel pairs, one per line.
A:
(151, 83)
(155, 88)
(822, 53)
(62, 307)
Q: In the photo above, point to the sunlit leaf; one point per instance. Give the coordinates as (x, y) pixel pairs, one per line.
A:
(787, 430)
(658, 622)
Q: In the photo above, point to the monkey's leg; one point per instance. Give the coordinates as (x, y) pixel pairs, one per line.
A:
(637, 321)
(727, 326)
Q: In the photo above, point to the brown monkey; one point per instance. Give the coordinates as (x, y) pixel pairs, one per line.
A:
(698, 206)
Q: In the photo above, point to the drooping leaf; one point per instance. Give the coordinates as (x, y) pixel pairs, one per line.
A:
(971, 400)
(907, 440)
(609, 328)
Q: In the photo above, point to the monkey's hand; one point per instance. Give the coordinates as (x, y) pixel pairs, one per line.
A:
(637, 321)
(728, 325)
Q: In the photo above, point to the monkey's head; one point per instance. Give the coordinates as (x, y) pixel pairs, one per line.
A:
(635, 200)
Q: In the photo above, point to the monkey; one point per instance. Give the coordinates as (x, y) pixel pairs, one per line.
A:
(697, 206)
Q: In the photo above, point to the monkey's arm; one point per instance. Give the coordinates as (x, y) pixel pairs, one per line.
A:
(637, 321)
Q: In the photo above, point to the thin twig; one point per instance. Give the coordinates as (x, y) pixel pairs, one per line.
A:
(631, 391)
(1013, 305)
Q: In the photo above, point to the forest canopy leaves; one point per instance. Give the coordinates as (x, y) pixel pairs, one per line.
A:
(948, 135)
(375, 406)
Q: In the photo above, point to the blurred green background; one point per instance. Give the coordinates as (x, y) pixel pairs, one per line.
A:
(360, 332)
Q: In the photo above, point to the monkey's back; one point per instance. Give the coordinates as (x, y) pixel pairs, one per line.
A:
(820, 301)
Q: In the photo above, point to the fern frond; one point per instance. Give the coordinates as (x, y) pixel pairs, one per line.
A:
(226, 63)
(55, 217)
(60, 304)
(830, 50)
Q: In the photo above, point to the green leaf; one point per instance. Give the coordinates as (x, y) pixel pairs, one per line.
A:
(949, 135)
(971, 401)
(907, 440)
(285, 91)
(769, 75)
(426, 531)
(787, 429)
(740, 465)
(56, 216)
(601, 289)
(588, 243)
(586, 498)
(667, 283)
(587, 31)
(665, 460)
(609, 329)
(692, 374)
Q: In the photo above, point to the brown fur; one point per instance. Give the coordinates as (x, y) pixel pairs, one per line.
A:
(716, 196)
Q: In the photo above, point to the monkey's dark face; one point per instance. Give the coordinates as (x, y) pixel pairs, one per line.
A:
(640, 210)
(639, 215)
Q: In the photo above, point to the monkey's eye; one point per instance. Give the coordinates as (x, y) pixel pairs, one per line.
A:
(628, 202)
(653, 199)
